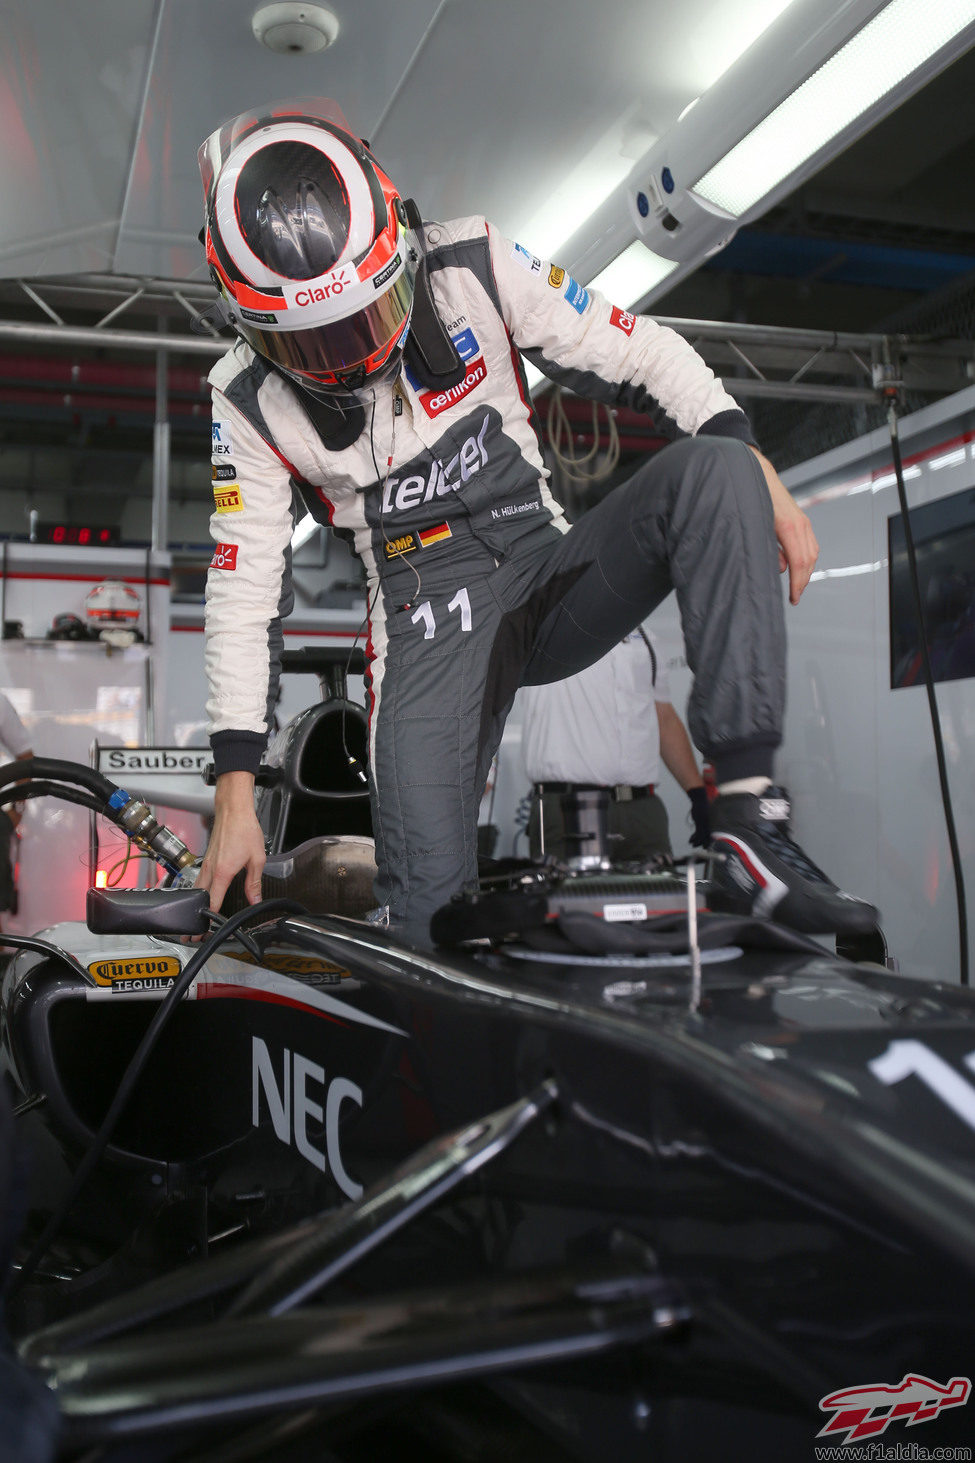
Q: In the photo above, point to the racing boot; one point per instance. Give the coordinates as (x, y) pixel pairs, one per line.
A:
(761, 871)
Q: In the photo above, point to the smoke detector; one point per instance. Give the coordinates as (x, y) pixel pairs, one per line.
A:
(294, 29)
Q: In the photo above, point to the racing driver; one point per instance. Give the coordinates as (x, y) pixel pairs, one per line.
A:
(377, 378)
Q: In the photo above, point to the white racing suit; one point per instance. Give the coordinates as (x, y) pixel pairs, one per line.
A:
(476, 581)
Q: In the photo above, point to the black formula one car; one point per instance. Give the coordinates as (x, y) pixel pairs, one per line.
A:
(605, 1176)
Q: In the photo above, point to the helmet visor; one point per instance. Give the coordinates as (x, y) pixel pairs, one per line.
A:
(337, 345)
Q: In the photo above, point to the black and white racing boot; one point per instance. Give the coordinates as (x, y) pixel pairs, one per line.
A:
(761, 870)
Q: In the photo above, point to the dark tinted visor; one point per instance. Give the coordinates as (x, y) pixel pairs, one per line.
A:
(337, 345)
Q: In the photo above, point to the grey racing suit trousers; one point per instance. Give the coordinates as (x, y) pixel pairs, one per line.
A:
(695, 519)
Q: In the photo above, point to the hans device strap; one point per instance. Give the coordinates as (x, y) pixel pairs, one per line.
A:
(430, 354)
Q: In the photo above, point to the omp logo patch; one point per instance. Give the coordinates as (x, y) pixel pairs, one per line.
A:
(556, 276)
(622, 319)
(394, 547)
(225, 473)
(441, 478)
(228, 500)
(160, 970)
(436, 535)
(434, 402)
(224, 557)
(220, 443)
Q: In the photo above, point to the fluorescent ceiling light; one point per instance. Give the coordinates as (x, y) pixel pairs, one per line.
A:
(632, 274)
(896, 43)
(303, 532)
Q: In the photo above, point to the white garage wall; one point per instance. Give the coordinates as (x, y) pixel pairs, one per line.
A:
(858, 758)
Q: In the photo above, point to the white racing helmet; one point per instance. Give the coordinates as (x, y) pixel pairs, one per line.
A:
(308, 243)
(112, 611)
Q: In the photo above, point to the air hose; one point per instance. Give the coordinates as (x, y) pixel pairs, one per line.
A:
(132, 815)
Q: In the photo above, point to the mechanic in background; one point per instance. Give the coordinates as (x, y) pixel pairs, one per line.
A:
(14, 746)
(609, 727)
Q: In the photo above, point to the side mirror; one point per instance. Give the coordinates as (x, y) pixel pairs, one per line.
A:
(147, 911)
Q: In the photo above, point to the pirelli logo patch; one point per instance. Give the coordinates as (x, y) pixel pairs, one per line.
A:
(228, 500)
(436, 535)
(405, 544)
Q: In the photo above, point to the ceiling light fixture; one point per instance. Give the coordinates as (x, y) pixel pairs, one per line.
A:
(815, 80)
(633, 274)
(893, 46)
(289, 29)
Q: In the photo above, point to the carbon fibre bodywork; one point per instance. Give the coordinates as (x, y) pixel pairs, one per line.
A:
(738, 1196)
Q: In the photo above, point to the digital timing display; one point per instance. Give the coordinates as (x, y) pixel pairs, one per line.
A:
(85, 535)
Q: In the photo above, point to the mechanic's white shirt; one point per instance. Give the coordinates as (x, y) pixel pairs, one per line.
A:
(600, 725)
(14, 738)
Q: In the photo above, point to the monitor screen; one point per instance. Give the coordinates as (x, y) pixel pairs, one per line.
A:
(944, 546)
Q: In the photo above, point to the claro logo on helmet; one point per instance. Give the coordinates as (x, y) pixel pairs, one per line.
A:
(444, 477)
(329, 287)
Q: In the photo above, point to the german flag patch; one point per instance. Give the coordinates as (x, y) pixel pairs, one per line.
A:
(430, 536)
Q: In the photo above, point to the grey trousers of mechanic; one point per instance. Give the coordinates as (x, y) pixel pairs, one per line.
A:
(695, 519)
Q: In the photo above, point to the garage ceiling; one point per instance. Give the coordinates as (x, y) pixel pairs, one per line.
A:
(534, 114)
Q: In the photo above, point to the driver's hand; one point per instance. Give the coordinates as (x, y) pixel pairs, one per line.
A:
(236, 842)
(798, 548)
